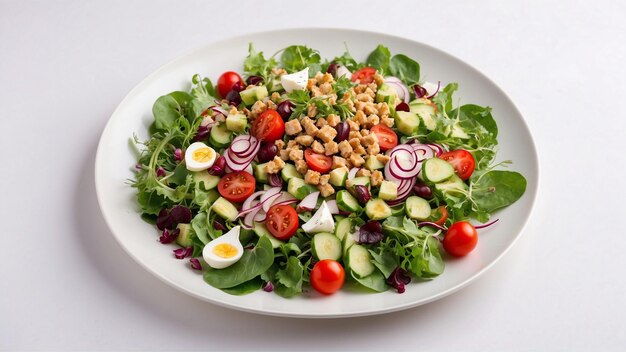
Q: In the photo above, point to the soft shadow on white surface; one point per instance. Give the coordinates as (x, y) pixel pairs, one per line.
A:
(224, 327)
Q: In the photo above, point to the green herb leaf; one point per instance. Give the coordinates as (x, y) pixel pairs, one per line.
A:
(497, 189)
(256, 64)
(405, 68)
(379, 59)
(298, 57)
(289, 279)
(386, 261)
(245, 288)
(374, 281)
(169, 108)
(252, 264)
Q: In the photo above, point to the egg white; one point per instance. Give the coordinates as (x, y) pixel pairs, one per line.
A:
(194, 165)
(217, 262)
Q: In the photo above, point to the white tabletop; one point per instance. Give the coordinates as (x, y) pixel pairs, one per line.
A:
(65, 284)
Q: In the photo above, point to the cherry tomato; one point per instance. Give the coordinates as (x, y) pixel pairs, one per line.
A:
(226, 82)
(387, 138)
(282, 221)
(327, 276)
(442, 215)
(364, 75)
(236, 186)
(460, 239)
(317, 162)
(462, 160)
(269, 126)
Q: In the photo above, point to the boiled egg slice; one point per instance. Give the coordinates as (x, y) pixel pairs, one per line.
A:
(223, 251)
(295, 81)
(199, 157)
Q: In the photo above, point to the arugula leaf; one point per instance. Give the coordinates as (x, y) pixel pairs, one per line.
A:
(169, 108)
(256, 64)
(479, 115)
(443, 99)
(374, 281)
(298, 57)
(426, 260)
(289, 281)
(150, 202)
(405, 68)
(203, 91)
(346, 60)
(379, 58)
(497, 189)
(252, 264)
(342, 85)
(245, 288)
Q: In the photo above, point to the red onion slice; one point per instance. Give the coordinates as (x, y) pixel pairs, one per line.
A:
(269, 197)
(332, 206)
(485, 225)
(353, 172)
(247, 204)
(430, 87)
(309, 202)
(423, 151)
(261, 216)
(438, 149)
(399, 87)
(218, 110)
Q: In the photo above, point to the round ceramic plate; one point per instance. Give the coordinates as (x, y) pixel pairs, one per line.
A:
(115, 159)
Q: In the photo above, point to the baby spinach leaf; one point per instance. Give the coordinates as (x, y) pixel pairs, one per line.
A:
(379, 58)
(478, 114)
(405, 68)
(497, 189)
(374, 281)
(386, 261)
(245, 288)
(200, 226)
(289, 279)
(252, 264)
(298, 57)
(169, 108)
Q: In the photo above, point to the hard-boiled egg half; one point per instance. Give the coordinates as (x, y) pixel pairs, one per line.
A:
(223, 251)
(199, 157)
(321, 221)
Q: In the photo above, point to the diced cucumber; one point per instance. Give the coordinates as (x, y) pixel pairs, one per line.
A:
(220, 136)
(250, 96)
(407, 122)
(426, 111)
(436, 170)
(297, 188)
(417, 208)
(377, 209)
(212, 196)
(457, 131)
(372, 163)
(326, 246)
(359, 260)
(184, 235)
(209, 181)
(361, 180)
(289, 171)
(386, 94)
(338, 177)
(347, 202)
(397, 210)
(452, 186)
(261, 230)
(259, 172)
(225, 209)
(388, 190)
(348, 241)
(344, 227)
(276, 86)
(236, 122)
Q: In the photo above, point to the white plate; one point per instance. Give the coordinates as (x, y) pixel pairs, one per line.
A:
(117, 200)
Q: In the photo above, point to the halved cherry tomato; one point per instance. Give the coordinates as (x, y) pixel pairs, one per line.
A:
(236, 186)
(227, 81)
(442, 214)
(460, 239)
(317, 162)
(387, 138)
(327, 276)
(269, 126)
(364, 75)
(462, 160)
(282, 221)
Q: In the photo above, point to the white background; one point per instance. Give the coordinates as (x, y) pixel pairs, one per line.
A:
(65, 284)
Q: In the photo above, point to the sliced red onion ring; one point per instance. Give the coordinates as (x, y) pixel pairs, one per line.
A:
(485, 225)
(432, 224)
(285, 198)
(269, 197)
(436, 148)
(247, 204)
(423, 151)
(429, 88)
(261, 216)
(404, 165)
(207, 121)
(218, 110)
(353, 172)
(404, 189)
(309, 202)
(399, 87)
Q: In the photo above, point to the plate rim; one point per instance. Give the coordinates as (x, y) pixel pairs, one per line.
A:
(376, 311)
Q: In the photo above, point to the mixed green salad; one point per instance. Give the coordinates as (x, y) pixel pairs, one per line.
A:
(302, 171)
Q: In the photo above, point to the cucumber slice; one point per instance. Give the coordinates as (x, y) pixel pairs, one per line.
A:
(259, 172)
(225, 209)
(397, 210)
(359, 260)
(437, 170)
(348, 241)
(388, 190)
(236, 122)
(344, 227)
(212, 196)
(250, 96)
(297, 188)
(220, 136)
(184, 236)
(372, 163)
(417, 208)
(361, 180)
(339, 176)
(426, 112)
(452, 186)
(326, 246)
(289, 171)
(206, 178)
(260, 230)
(347, 202)
(386, 94)
(407, 122)
(377, 209)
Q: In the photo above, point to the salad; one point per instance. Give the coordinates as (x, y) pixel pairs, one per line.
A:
(302, 172)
